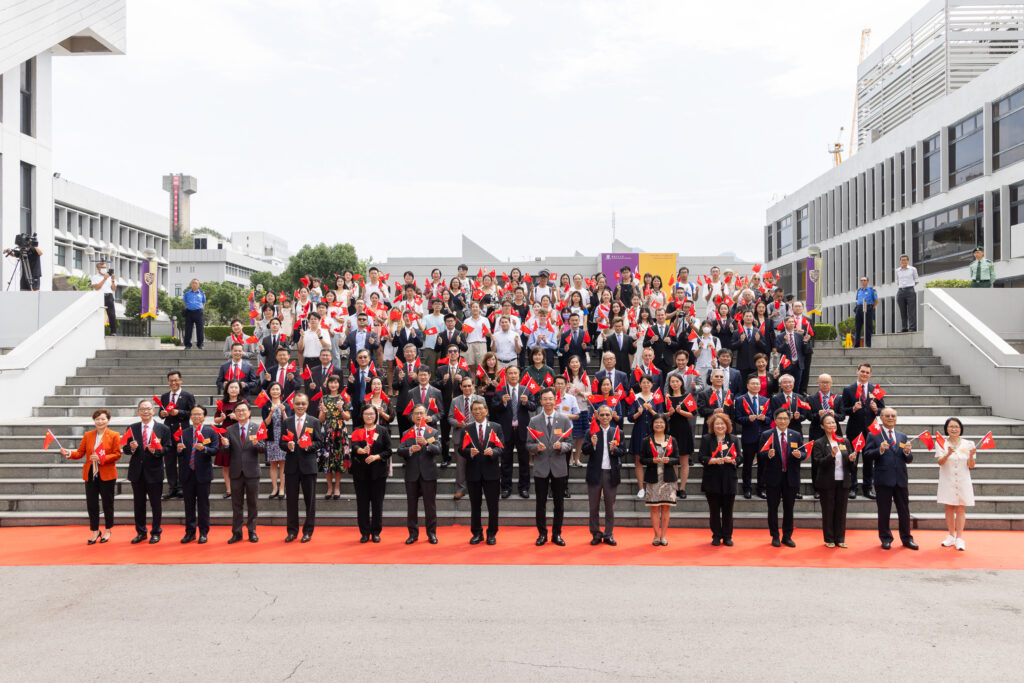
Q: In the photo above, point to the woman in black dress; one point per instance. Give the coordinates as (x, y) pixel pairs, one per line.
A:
(679, 427)
(721, 455)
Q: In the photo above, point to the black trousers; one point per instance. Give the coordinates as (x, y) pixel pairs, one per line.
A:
(514, 443)
(244, 490)
(867, 325)
(805, 375)
(557, 486)
(833, 513)
(594, 493)
(141, 491)
(292, 483)
(108, 303)
(413, 491)
(477, 491)
(749, 456)
(95, 489)
(906, 299)
(197, 497)
(194, 319)
(171, 463)
(370, 505)
(446, 435)
(887, 495)
(787, 494)
(720, 505)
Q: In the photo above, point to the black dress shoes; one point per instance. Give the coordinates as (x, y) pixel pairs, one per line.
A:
(596, 540)
(202, 539)
(748, 494)
(910, 545)
(139, 539)
(762, 495)
(364, 538)
(775, 542)
(432, 539)
(817, 496)
(477, 538)
(610, 540)
(557, 540)
(410, 540)
(567, 495)
(542, 539)
(491, 540)
(306, 538)
(728, 542)
(524, 494)
(886, 545)
(375, 538)
(681, 495)
(167, 496)
(188, 538)
(799, 496)
(446, 462)
(235, 538)
(154, 538)
(853, 495)
(870, 495)
(788, 542)
(716, 541)
(253, 538)
(506, 493)
(289, 538)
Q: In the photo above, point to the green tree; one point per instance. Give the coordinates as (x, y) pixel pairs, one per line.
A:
(311, 260)
(225, 301)
(270, 282)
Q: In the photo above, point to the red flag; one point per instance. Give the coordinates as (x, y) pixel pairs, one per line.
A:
(858, 443)
(480, 373)
(304, 280)
(48, 439)
(467, 328)
(291, 437)
(289, 400)
(534, 433)
(219, 430)
(767, 445)
(875, 428)
(986, 442)
(548, 379)
(154, 442)
(802, 404)
(631, 397)
(408, 409)
(261, 400)
(306, 373)
(618, 435)
(317, 396)
(253, 314)
(594, 427)
(728, 398)
(878, 392)
(430, 330)
(466, 439)
(940, 441)
(756, 268)
(177, 434)
(785, 362)
(926, 439)
(432, 406)
(690, 404)
(126, 437)
(251, 339)
(692, 337)
(261, 433)
(410, 433)
(457, 414)
(493, 439)
(305, 440)
(156, 400)
(746, 407)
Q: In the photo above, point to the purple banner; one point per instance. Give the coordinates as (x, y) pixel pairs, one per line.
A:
(612, 263)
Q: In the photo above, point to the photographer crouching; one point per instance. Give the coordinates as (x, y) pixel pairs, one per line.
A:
(103, 281)
(26, 250)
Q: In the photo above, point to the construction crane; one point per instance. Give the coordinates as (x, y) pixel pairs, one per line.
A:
(836, 149)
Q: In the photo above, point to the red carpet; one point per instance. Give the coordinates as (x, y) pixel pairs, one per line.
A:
(66, 545)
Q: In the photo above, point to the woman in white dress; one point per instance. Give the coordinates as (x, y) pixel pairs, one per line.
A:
(956, 460)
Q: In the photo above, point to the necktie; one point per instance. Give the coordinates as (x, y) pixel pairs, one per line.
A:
(237, 373)
(865, 390)
(619, 337)
(298, 426)
(241, 431)
(550, 428)
(423, 395)
(892, 439)
(782, 449)
(145, 435)
(174, 399)
(280, 377)
(362, 385)
(721, 399)
(749, 334)
(792, 347)
(480, 433)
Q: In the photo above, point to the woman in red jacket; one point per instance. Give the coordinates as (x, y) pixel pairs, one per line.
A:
(101, 449)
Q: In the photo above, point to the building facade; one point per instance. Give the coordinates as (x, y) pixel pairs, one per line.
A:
(214, 261)
(34, 31)
(262, 246)
(945, 179)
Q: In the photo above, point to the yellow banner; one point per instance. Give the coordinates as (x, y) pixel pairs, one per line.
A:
(663, 264)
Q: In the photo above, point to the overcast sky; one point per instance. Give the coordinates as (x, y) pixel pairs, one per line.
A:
(397, 125)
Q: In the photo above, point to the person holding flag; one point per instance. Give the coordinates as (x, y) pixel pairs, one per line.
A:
(782, 476)
(862, 402)
(147, 442)
(175, 406)
(659, 450)
(890, 451)
(371, 460)
(642, 408)
(419, 448)
(458, 417)
(720, 455)
(836, 462)
(243, 443)
(549, 433)
(680, 407)
(956, 456)
(511, 407)
(197, 446)
(300, 465)
(101, 450)
(752, 416)
(483, 470)
(604, 452)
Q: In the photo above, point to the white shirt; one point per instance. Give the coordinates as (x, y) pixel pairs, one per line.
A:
(839, 460)
(505, 345)
(370, 288)
(568, 405)
(606, 460)
(478, 325)
(311, 346)
(906, 277)
(108, 285)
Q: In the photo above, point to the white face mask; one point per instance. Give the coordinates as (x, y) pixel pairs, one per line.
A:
(706, 331)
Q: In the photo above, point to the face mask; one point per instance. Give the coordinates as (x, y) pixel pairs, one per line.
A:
(706, 331)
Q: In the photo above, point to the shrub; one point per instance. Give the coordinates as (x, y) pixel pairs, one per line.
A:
(825, 332)
(220, 332)
(952, 283)
(167, 339)
(845, 327)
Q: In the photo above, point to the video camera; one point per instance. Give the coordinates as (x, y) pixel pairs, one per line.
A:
(24, 243)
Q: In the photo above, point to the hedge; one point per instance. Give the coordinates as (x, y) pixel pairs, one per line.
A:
(221, 332)
(824, 332)
(952, 284)
(845, 327)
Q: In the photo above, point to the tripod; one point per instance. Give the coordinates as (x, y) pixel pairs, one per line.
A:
(25, 268)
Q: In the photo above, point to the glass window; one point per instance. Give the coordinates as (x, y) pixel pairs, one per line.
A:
(28, 78)
(932, 166)
(965, 150)
(784, 236)
(60, 255)
(1008, 129)
(77, 256)
(803, 228)
(27, 171)
(945, 240)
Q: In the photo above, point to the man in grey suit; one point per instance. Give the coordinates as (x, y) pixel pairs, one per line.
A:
(550, 439)
(458, 417)
(300, 467)
(245, 449)
(419, 447)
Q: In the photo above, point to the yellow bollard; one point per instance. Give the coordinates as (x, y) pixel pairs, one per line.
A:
(848, 342)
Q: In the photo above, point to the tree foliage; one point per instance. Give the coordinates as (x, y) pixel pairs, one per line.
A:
(317, 260)
(132, 298)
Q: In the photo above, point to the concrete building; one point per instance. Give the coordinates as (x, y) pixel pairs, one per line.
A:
(217, 261)
(89, 226)
(263, 246)
(34, 31)
(937, 172)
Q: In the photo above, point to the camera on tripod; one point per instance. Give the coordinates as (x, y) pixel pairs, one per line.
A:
(26, 250)
(23, 243)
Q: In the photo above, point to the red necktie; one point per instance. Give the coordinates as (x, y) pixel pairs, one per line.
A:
(481, 430)
(280, 377)
(423, 395)
(242, 432)
(192, 456)
(782, 449)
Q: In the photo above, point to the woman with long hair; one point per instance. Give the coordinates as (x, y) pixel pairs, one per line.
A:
(224, 417)
(275, 412)
(335, 411)
(659, 454)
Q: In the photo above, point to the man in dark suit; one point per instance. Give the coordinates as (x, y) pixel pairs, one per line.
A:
(733, 378)
(409, 333)
(300, 467)
(405, 375)
(661, 340)
(422, 394)
(604, 457)
(608, 369)
(823, 402)
(450, 335)
(792, 345)
(271, 342)
(197, 447)
(782, 476)
(239, 369)
(244, 472)
(717, 398)
(511, 406)
(175, 408)
(890, 451)
(483, 472)
(751, 416)
(862, 407)
(574, 342)
(418, 448)
(621, 344)
(795, 403)
(448, 376)
(361, 338)
(747, 343)
(148, 444)
(282, 372)
(317, 382)
(358, 386)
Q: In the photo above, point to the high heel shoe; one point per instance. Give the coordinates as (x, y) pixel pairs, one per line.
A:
(93, 540)
(105, 537)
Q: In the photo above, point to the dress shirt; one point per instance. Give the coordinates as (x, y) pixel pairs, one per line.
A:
(866, 295)
(839, 459)
(505, 345)
(979, 270)
(437, 322)
(194, 301)
(107, 288)
(606, 460)
(906, 277)
(477, 333)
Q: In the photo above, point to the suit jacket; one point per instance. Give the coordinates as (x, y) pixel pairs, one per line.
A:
(450, 387)
(719, 479)
(647, 460)
(288, 386)
(772, 475)
(481, 467)
(752, 428)
(595, 456)
(549, 461)
(692, 383)
(412, 336)
(504, 413)
(663, 348)
(203, 472)
(744, 350)
(372, 344)
(816, 432)
(822, 456)
(706, 407)
(446, 338)
(618, 378)
(858, 420)
(245, 457)
(111, 447)
(413, 396)
(353, 385)
(249, 380)
(622, 353)
(186, 402)
(782, 346)
(890, 466)
(381, 446)
(577, 347)
(271, 343)
(303, 459)
(421, 465)
(144, 466)
(779, 401)
(319, 379)
(733, 380)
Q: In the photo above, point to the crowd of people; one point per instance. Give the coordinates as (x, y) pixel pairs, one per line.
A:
(486, 372)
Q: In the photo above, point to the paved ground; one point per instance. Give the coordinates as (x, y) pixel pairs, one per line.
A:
(339, 622)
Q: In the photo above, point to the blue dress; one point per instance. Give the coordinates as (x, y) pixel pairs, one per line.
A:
(641, 425)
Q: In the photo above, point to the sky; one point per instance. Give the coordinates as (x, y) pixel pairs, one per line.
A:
(399, 125)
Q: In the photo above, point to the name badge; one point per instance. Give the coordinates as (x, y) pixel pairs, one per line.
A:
(430, 440)
(842, 447)
(557, 432)
(565, 409)
(793, 444)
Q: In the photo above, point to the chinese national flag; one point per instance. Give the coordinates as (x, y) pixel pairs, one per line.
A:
(408, 409)
(177, 434)
(156, 400)
(410, 433)
(874, 428)
(317, 396)
(756, 268)
(803, 405)
(457, 414)
(926, 439)
(466, 439)
(432, 406)
(618, 435)
(940, 441)
(593, 426)
(494, 440)
(987, 442)
(252, 339)
(858, 443)
(692, 337)
(253, 314)
(126, 437)
(48, 439)
(767, 445)
(534, 433)
(261, 400)
(467, 328)
(306, 373)
(690, 404)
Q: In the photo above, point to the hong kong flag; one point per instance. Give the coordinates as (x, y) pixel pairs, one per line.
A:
(987, 442)
(875, 428)
(494, 440)
(858, 443)
(690, 404)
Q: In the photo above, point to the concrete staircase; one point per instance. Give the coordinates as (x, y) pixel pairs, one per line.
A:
(38, 487)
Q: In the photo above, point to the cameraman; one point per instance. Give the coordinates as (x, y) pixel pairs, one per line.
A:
(28, 251)
(103, 280)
